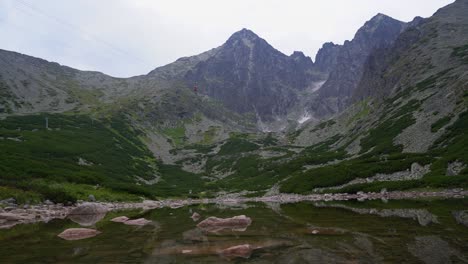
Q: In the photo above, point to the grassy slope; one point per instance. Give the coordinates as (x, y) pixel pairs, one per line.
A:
(45, 162)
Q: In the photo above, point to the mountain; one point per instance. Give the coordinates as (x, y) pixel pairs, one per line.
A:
(386, 110)
(247, 75)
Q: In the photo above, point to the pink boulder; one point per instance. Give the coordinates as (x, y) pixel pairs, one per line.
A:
(137, 222)
(78, 233)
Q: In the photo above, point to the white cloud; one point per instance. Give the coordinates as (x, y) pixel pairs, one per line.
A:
(130, 37)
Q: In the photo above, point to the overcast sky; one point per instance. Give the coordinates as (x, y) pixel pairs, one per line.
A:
(131, 37)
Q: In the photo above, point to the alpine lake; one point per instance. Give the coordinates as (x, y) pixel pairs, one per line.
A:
(395, 231)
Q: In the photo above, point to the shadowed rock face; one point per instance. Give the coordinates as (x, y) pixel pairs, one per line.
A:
(78, 233)
(249, 75)
(327, 56)
(378, 33)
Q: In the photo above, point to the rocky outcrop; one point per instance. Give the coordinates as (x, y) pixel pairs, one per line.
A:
(454, 168)
(327, 57)
(78, 233)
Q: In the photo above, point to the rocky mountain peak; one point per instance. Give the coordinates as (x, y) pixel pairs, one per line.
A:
(245, 37)
(298, 56)
(378, 24)
(325, 59)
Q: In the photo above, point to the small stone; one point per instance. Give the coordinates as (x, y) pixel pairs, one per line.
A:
(91, 198)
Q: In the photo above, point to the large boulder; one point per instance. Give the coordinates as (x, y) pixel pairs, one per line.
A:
(89, 209)
(78, 233)
(240, 223)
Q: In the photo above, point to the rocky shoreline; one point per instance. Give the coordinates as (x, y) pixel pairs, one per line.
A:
(14, 215)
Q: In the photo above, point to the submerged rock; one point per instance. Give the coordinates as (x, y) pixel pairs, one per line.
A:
(239, 223)
(78, 233)
(120, 219)
(137, 222)
(194, 235)
(240, 251)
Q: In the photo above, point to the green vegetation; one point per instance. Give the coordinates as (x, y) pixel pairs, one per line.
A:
(450, 147)
(176, 182)
(323, 125)
(346, 171)
(365, 110)
(177, 134)
(380, 139)
(46, 161)
(209, 135)
(237, 145)
(440, 123)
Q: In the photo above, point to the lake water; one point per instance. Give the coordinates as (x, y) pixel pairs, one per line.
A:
(413, 231)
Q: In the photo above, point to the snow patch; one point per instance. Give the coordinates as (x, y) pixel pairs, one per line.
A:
(305, 117)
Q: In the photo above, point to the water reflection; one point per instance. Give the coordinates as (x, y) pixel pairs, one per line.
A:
(348, 232)
(86, 219)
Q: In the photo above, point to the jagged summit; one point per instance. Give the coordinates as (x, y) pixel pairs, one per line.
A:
(244, 34)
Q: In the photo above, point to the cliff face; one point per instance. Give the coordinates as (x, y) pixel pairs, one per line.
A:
(378, 33)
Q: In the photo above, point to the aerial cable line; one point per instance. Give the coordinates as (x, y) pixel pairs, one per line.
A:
(88, 34)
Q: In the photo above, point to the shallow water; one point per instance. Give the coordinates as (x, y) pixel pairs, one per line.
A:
(335, 232)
